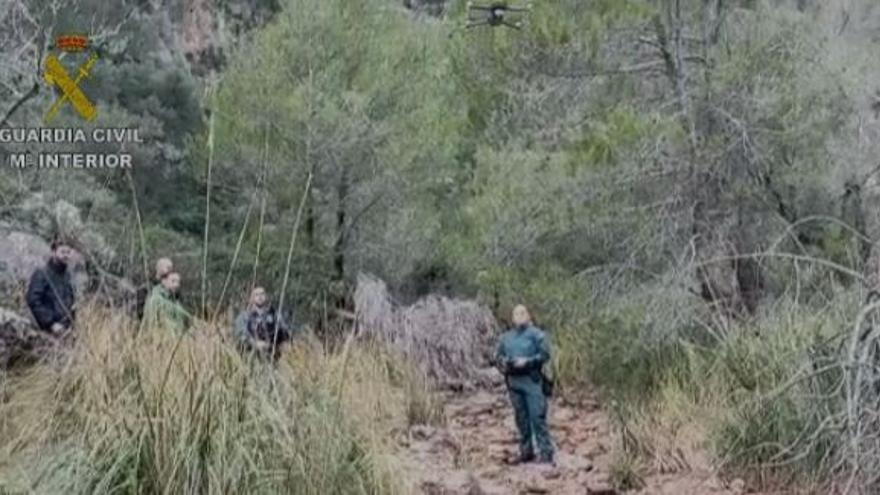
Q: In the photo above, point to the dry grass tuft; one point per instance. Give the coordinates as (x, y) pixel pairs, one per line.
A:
(124, 412)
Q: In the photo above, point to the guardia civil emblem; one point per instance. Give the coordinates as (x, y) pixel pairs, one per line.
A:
(74, 47)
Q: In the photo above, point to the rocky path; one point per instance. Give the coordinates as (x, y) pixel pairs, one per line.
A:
(468, 456)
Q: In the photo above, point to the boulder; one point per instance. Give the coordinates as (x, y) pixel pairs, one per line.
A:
(20, 341)
(20, 255)
(24, 247)
(46, 217)
(601, 488)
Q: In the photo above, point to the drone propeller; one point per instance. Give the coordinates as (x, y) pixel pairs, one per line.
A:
(499, 6)
(517, 25)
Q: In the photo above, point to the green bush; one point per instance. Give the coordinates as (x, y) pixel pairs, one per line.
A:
(779, 380)
(625, 364)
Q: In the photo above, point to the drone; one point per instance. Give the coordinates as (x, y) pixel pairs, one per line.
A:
(494, 15)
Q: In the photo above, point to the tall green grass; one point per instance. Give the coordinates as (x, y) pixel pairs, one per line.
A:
(765, 399)
(778, 387)
(133, 413)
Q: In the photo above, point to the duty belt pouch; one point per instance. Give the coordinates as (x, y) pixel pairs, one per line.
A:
(547, 384)
(520, 372)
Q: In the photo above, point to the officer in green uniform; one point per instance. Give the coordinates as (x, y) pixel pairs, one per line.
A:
(522, 352)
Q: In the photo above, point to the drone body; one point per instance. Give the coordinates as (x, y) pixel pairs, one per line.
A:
(494, 15)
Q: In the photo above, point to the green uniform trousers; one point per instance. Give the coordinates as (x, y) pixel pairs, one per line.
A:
(530, 414)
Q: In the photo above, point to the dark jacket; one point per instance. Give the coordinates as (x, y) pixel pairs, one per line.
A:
(265, 326)
(528, 342)
(50, 296)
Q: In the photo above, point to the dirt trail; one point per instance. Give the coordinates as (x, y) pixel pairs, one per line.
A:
(468, 455)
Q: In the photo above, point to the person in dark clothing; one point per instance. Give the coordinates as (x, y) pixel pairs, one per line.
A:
(260, 328)
(50, 294)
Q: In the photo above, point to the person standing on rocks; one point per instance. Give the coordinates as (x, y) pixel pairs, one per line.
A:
(50, 294)
(163, 308)
(521, 354)
(260, 328)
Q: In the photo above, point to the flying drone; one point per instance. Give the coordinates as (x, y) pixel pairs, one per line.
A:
(495, 15)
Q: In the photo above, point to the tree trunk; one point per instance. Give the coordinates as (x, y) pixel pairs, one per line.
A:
(852, 212)
(310, 220)
(871, 211)
(749, 273)
(715, 254)
(339, 245)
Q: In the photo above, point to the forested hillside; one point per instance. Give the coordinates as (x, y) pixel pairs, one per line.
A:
(686, 193)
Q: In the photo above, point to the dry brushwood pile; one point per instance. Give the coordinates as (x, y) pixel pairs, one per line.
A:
(448, 338)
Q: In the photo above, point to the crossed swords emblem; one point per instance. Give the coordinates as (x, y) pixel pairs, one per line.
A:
(57, 76)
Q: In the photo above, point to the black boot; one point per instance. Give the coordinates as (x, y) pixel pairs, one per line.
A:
(523, 458)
